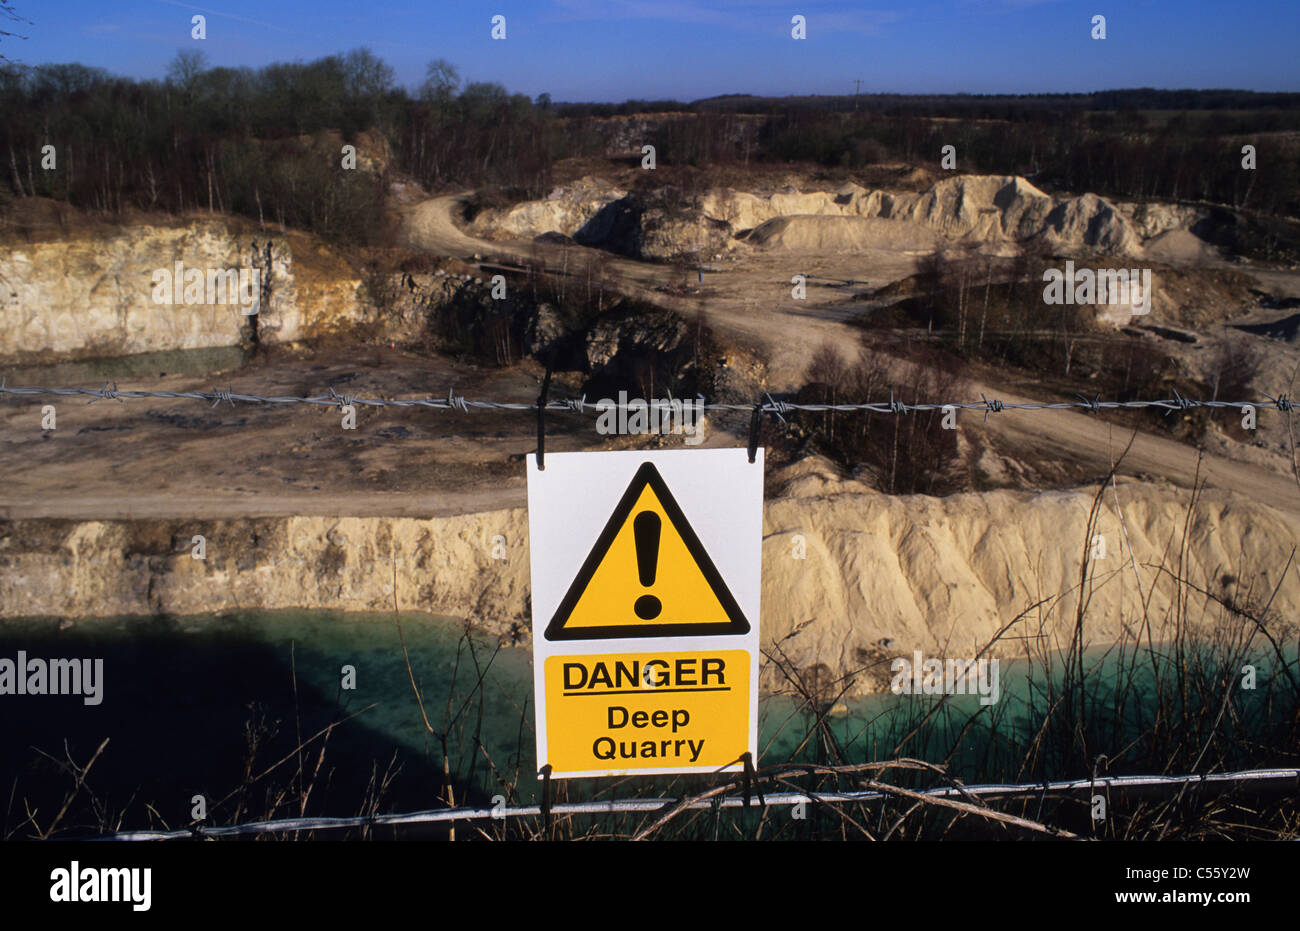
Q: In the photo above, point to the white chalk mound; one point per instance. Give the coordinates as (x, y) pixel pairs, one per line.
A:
(983, 209)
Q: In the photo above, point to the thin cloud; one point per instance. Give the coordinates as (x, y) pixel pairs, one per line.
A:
(241, 19)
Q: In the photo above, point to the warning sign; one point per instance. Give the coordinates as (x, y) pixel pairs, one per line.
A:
(645, 595)
(631, 711)
(648, 575)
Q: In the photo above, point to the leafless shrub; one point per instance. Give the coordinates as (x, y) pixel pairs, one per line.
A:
(908, 453)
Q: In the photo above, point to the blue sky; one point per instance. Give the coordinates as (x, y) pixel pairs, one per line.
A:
(687, 49)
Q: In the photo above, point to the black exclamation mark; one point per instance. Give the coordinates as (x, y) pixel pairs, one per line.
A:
(645, 531)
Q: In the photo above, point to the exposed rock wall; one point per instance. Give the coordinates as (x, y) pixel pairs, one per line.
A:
(93, 295)
(879, 575)
(980, 208)
(566, 210)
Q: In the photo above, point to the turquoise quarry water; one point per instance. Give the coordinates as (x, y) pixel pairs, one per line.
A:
(193, 705)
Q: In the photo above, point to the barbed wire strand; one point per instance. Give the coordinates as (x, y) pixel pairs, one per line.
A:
(1260, 779)
(110, 392)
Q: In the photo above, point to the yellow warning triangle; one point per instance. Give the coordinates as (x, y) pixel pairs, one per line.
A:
(647, 576)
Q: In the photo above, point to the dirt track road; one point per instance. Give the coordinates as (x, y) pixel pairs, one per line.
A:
(752, 302)
(158, 459)
(1092, 443)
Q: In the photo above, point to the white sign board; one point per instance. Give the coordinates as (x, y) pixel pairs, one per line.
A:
(646, 571)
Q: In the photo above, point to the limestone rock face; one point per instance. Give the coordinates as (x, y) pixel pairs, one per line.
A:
(963, 208)
(1152, 220)
(409, 298)
(566, 210)
(1093, 222)
(982, 208)
(93, 295)
(616, 227)
(622, 348)
(107, 568)
(853, 570)
(545, 329)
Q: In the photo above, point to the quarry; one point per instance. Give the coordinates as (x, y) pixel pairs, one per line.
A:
(123, 487)
(937, 411)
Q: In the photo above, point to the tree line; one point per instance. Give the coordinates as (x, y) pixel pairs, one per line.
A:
(264, 142)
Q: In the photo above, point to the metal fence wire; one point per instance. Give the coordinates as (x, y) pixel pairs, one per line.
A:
(453, 402)
(1260, 780)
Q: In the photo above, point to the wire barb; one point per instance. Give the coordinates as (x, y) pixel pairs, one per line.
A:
(776, 407)
(1281, 402)
(108, 392)
(220, 394)
(348, 400)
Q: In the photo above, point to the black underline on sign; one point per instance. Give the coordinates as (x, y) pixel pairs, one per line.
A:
(652, 691)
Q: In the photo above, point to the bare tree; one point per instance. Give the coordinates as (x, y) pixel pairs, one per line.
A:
(9, 13)
(440, 82)
(186, 67)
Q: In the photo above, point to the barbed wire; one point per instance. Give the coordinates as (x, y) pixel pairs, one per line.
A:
(1261, 779)
(110, 392)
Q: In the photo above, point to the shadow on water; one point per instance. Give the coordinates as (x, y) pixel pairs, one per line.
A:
(210, 361)
(203, 706)
(206, 705)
